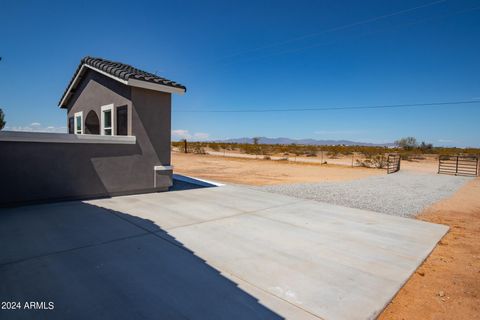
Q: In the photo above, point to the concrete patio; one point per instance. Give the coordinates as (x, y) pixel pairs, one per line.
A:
(207, 253)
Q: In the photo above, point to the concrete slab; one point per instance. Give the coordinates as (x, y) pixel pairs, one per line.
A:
(329, 261)
(135, 278)
(30, 231)
(169, 210)
(226, 252)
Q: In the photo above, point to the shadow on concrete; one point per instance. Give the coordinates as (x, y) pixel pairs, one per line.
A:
(95, 263)
(181, 185)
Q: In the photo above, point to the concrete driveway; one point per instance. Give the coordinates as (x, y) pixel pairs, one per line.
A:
(208, 253)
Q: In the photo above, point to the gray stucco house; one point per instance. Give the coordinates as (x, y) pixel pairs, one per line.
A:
(119, 123)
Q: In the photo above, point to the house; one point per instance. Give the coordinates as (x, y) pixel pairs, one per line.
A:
(118, 141)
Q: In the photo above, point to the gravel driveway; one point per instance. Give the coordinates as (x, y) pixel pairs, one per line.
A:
(404, 193)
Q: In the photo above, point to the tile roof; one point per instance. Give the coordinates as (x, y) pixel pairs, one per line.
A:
(122, 71)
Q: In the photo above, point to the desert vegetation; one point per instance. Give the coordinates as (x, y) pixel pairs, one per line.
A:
(408, 148)
(356, 156)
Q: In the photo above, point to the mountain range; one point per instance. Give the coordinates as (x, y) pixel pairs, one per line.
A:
(266, 140)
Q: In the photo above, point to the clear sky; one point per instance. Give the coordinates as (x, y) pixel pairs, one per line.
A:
(243, 55)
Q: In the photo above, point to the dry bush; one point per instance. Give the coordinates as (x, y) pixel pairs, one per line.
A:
(377, 161)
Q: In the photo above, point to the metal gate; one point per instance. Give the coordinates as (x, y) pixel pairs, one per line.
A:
(393, 163)
(458, 165)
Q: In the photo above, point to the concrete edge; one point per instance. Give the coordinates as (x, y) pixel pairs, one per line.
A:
(197, 181)
(377, 313)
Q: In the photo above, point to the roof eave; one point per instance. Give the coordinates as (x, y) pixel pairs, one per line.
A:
(154, 86)
(130, 82)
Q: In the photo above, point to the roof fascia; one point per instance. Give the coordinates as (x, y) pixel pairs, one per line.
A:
(130, 82)
(154, 86)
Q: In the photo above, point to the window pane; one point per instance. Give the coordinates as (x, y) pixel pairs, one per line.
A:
(70, 125)
(107, 119)
(79, 124)
(122, 121)
(108, 132)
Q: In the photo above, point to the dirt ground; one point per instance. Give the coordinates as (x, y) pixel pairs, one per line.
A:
(447, 285)
(263, 172)
(427, 164)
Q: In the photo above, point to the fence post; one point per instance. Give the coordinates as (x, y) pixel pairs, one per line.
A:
(456, 168)
(185, 145)
(478, 159)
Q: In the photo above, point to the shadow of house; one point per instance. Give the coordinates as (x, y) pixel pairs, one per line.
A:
(95, 263)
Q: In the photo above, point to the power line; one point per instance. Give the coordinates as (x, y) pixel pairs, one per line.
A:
(390, 106)
(335, 29)
(292, 50)
(316, 34)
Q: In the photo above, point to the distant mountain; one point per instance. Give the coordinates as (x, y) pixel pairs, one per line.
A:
(265, 140)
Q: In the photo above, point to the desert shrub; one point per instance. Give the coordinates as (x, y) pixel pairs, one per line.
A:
(376, 161)
(361, 163)
(181, 146)
(214, 146)
(333, 154)
(198, 148)
(379, 161)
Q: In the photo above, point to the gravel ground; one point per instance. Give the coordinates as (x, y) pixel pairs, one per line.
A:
(404, 193)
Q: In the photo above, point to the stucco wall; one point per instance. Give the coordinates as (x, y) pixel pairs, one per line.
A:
(97, 90)
(35, 171)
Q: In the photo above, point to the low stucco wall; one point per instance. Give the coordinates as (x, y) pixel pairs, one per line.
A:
(40, 166)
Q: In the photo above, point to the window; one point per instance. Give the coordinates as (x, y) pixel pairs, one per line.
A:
(107, 120)
(122, 121)
(70, 125)
(78, 123)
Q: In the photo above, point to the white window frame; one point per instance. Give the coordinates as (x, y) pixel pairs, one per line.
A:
(75, 116)
(108, 107)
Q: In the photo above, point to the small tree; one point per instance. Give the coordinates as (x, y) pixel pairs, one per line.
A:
(256, 149)
(426, 146)
(407, 143)
(2, 119)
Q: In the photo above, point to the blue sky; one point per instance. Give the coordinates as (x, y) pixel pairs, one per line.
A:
(237, 55)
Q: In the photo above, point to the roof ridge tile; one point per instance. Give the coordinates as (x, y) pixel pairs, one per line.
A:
(120, 70)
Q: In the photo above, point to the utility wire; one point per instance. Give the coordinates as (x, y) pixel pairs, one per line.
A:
(316, 34)
(335, 29)
(390, 106)
(293, 50)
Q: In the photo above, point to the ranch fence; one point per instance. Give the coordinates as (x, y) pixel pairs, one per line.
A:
(465, 165)
(393, 163)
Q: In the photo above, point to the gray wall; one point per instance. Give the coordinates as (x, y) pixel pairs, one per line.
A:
(36, 171)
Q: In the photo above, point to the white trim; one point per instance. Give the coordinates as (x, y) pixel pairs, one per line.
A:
(197, 181)
(130, 82)
(78, 114)
(154, 86)
(162, 168)
(108, 107)
(79, 73)
(21, 136)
